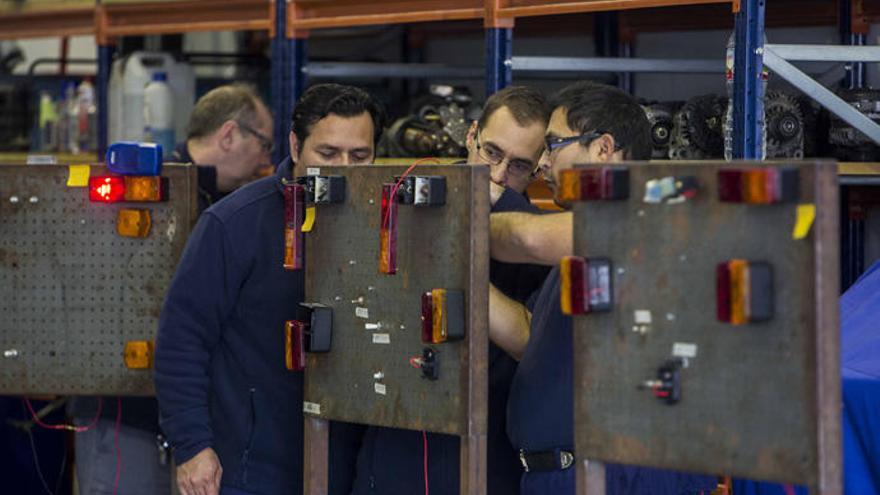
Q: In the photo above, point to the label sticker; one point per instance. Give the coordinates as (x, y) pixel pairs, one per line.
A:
(806, 214)
(362, 313)
(684, 350)
(381, 338)
(313, 171)
(642, 316)
(380, 388)
(311, 408)
(309, 221)
(78, 176)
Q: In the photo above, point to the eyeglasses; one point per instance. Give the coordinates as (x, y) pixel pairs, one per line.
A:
(517, 167)
(265, 141)
(554, 143)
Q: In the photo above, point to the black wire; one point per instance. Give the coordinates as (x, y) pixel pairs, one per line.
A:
(36, 459)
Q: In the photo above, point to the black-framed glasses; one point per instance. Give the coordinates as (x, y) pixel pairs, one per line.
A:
(493, 155)
(265, 141)
(552, 143)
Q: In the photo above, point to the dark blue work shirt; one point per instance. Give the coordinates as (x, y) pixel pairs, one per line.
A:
(540, 411)
(220, 375)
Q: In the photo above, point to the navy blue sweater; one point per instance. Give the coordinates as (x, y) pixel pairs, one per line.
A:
(220, 375)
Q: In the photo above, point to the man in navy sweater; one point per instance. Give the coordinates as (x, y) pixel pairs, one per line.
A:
(508, 138)
(591, 123)
(230, 408)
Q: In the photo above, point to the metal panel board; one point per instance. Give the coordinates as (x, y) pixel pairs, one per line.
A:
(72, 291)
(437, 247)
(760, 401)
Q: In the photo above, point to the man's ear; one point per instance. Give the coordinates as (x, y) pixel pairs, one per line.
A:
(604, 148)
(471, 135)
(294, 145)
(226, 136)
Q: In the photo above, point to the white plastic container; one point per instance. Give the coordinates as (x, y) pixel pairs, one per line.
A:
(128, 78)
(159, 113)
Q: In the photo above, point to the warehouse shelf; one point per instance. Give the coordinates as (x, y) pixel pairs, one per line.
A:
(67, 19)
(169, 17)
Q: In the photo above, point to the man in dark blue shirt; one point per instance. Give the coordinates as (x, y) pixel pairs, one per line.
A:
(508, 138)
(590, 123)
(230, 408)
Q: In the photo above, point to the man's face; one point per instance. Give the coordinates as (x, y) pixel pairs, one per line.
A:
(336, 140)
(510, 150)
(253, 151)
(554, 162)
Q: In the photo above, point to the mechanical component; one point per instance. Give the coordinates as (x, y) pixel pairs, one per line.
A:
(660, 116)
(667, 386)
(438, 126)
(848, 143)
(698, 129)
(785, 126)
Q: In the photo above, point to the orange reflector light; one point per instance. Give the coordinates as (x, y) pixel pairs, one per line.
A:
(570, 185)
(755, 186)
(147, 188)
(744, 291)
(106, 189)
(739, 291)
(133, 223)
(294, 350)
(438, 314)
(388, 231)
(442, 316)
(294, 214)
(138, 354)
(573, 285)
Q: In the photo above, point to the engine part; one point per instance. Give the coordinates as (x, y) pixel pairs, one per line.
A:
(785, 126)
(698, 129)
(847, 143)
(660, 116)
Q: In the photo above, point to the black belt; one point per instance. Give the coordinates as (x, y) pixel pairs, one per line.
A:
(548, 460)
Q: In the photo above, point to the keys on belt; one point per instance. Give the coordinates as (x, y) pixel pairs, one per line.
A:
(548, 460)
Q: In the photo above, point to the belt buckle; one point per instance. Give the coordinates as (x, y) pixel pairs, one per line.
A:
(566, 459)
(522, 460)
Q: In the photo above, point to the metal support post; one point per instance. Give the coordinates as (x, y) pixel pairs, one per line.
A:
(853, 32)
(278, 75)
(499, 50)
(102, 89)
(294, 84)
(748, 88)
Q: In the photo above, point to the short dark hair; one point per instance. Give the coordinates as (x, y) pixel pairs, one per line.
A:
(230, 102)
(592, 107)
(321, 100)
(527, 105)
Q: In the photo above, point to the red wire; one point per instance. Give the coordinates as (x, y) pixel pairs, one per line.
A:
(414, 362)
(116, 442)
(425, 443)
(77, 429)
(399, 181)
(789, 490)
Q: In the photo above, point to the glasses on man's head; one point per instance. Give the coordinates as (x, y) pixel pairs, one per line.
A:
(265, 141)
(553, 143)
(493, 155)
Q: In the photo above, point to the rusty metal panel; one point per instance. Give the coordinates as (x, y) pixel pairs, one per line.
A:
(72, 291)
(760, 401)
(438, 247)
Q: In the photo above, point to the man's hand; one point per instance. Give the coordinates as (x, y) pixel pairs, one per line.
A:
(495, 192)
(200, 475)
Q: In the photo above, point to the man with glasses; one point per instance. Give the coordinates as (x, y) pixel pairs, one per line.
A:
(509, 138)
(232, 412)
(229, 138)
(228, 141)
(591, 123)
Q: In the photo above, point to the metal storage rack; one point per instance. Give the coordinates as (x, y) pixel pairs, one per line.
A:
(290, 21)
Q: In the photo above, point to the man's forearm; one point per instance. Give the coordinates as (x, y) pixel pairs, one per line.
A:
(529, 238)
(508, 323)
